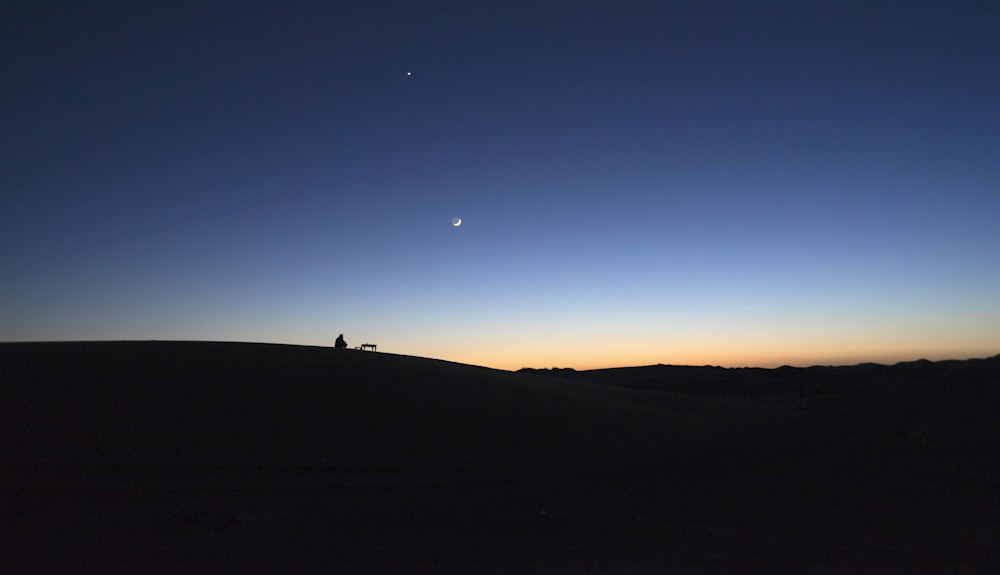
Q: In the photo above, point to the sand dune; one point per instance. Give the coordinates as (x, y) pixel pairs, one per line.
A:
(243, 404)
(195, 457)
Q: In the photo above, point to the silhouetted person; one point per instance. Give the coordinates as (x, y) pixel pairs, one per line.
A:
(340, 343)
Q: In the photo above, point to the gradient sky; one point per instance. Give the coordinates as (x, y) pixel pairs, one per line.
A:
(727, 183)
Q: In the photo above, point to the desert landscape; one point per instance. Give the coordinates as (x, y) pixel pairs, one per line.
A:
(201, 457)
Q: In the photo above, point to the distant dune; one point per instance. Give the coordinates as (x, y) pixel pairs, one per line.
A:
(195, 457)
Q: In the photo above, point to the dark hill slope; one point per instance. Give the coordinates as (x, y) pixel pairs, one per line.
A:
(260, 404)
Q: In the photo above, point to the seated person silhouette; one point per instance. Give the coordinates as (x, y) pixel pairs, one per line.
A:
(340, 343)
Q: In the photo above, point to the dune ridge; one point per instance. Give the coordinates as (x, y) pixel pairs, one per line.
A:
(262, 404)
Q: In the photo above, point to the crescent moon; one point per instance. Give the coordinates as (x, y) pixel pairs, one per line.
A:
(456, 222)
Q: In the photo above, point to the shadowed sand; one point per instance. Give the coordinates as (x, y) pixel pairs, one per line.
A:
(166, 457)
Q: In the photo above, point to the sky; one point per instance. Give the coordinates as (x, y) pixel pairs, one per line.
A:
(639, 182)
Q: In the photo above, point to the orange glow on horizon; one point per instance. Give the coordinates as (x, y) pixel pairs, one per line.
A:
(586, 359)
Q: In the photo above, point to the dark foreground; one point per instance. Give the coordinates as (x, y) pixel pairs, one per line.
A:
(172, 457)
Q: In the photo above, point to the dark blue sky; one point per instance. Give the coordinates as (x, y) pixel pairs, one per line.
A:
(640, 182)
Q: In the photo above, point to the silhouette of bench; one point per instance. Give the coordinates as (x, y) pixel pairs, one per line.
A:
(365, 346)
